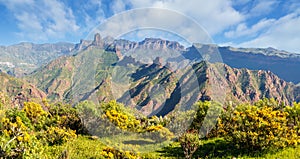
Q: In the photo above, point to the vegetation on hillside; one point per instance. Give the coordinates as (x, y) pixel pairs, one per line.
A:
(266, 128)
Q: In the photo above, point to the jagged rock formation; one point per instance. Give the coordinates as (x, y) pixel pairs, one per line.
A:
(98, 41)
(18, 91)
(251, 85)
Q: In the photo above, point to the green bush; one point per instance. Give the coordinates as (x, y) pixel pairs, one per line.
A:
(190, 141)
(293, 117)
(64, 115)
(205, 121)
(14, 137)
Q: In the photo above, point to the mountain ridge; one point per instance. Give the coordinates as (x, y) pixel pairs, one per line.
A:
(155, 88)
(277, 61)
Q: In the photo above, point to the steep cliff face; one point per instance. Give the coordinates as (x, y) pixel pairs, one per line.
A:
(160, 44)
(251, 85)
(220, 82)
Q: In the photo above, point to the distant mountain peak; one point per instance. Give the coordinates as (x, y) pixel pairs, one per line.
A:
(98, 41)
(270, 51)
(157, 43)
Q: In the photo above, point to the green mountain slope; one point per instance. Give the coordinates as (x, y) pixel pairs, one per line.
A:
(154, 88)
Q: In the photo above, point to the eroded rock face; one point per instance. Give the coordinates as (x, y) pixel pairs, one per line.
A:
(19, 91)
(251, 85)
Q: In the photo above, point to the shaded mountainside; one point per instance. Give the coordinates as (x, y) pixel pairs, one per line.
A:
(222, 83)
(18, 91)
(250, 85)
(154, 88)
(282, 63)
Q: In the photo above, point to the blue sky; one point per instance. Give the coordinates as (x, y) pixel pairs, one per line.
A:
(240, 23)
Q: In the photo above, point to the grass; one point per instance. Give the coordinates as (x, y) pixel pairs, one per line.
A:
(134, 142)
(81, 147)
(218, 148)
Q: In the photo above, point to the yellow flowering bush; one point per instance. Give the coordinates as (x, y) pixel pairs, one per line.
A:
(110, 152)
(122, 120)
(250, 126)
(14, 137)
(57, 136)
(36, 114)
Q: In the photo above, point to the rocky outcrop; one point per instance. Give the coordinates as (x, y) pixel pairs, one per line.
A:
(98, 41)
(243, 85)
(19, 91)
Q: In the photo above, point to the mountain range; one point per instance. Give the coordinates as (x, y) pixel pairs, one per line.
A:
(154, 76)
(23, 58)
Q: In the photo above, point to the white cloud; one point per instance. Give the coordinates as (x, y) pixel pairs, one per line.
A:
(283, 34)
(28, 22)
(42, 20)
(263, 7)
(243, 30)
(155, 19)
(118, 6)
(214, 16)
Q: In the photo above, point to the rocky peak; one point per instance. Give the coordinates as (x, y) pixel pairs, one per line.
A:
(98, 41)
